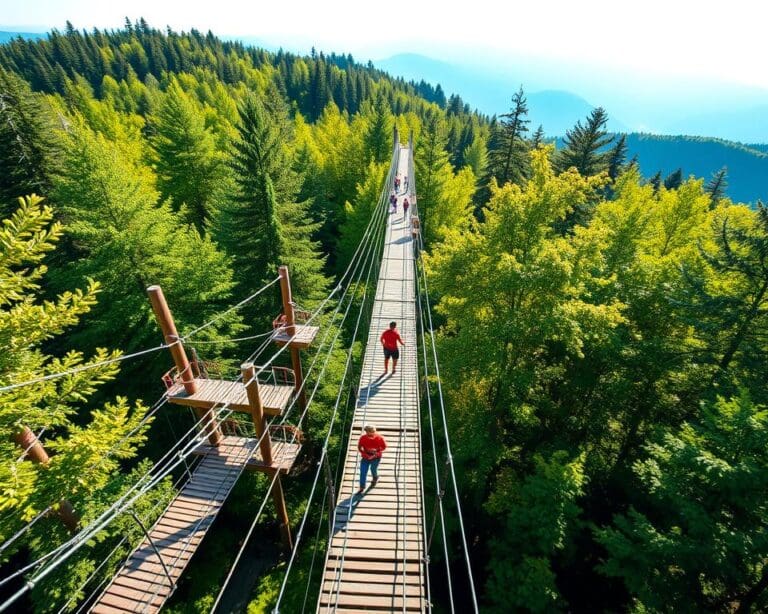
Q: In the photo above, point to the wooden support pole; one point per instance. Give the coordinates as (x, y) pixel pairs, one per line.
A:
(265, 445)
(35, 452)
(257, 411)
(290, 330)
(170, 335)
(282, 514)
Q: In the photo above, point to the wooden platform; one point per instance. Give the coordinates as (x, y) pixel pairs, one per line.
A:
(142, 585)
(304, 337)
(284, 455)
(217, 393)
(375, 559)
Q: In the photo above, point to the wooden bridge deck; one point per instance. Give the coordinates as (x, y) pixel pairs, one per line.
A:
(375, 559)
(142, 585)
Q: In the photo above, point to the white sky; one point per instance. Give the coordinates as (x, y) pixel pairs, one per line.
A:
(722, 41)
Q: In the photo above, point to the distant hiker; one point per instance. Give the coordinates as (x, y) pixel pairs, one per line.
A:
(406, 204)
(397, 183)
(393, 202)
(405, 182)
(370, 445)
(389, 340)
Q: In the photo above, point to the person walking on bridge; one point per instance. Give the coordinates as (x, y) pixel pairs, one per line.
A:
(389, 340)
(370, 445)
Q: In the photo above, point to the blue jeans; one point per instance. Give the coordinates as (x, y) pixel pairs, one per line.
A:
(364, 464)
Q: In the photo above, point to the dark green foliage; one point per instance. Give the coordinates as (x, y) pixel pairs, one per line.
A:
(718, 185)
(674, 180)
(507, 149)
(584, 146)
(378, 139)
(29, 149)
(697, 540)
(617, 157)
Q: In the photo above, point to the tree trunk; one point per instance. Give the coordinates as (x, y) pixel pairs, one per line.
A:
(35, 452)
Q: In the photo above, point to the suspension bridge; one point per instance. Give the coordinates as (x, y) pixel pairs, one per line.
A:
(378, 540)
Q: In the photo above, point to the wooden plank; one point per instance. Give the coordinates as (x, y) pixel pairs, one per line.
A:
(372, 578)
(392, 589)
(372, 602)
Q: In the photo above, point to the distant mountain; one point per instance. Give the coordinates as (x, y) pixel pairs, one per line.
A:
(747, 166)
(743, 125)
(6, 36)
(556, 110)
(634, 102)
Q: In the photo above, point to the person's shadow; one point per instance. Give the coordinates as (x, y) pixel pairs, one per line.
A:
(370, 391)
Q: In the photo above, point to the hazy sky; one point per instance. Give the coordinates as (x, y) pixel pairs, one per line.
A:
(724, 41)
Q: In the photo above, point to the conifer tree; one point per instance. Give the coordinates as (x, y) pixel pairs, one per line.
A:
(29, 149)
(508, 150)
(189, 170)
(617, 157)
(264, 225)
(537, 140)
(674, 179)
(378, 136)
(585, 144)
(655, 181)
(717, 186)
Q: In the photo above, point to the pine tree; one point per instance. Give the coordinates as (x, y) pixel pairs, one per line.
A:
(655, 181)
(264, 225)
(717, 186)
(189, 170)
(617, 157)
(29, 148)
(585, 144)
(378, 136)
(537, 140)
(508, 150)
(674, 179)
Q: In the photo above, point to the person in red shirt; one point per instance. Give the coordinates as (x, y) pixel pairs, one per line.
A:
(370, 446)
(389, 340)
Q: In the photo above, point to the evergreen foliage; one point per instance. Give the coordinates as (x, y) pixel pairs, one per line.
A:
(508, 149)
(29, 151)
(584, 146)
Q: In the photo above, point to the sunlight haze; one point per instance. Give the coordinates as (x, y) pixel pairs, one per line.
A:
(693, 39)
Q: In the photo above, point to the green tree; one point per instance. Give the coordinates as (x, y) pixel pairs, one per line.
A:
(264, 225)
(58, 406)
(189, 170)
(508, 150)
(696, 541)
(29, 149)
(617, 157)
(674, 179)
(538, 512)
(584, 146)
(358, 213)
(378, 135)
(717, 186)
(127, 241)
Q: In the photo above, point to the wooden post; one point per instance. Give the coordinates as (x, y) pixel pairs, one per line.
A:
(257, 411)
(35, 452)
(282, 514)
(265, 445)
(168, 326)
(290, 330)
